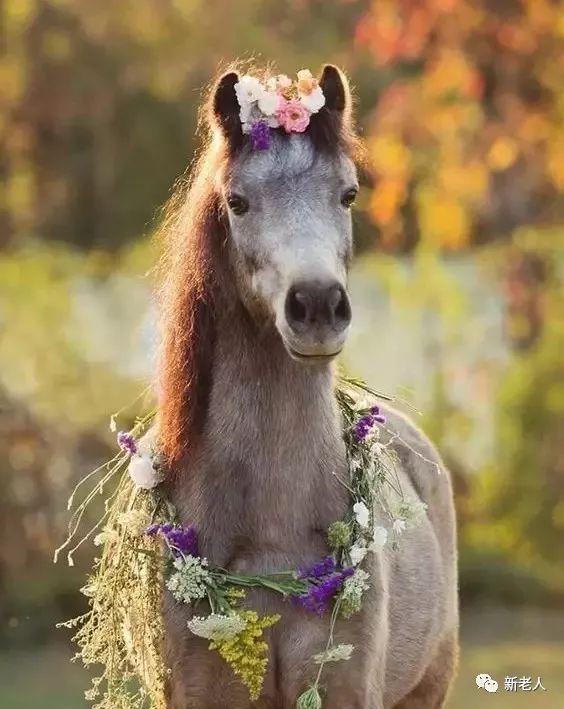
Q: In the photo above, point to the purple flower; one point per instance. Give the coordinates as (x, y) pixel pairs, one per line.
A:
(126, 442)
(260, 136)
(376, 415)
(318, 570)
(180, 540)
(365, 425)
(319, 596)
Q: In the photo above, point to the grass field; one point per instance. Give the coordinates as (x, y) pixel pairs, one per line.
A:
(500, 643)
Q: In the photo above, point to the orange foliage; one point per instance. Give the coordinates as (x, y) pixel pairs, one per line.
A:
(475, 103)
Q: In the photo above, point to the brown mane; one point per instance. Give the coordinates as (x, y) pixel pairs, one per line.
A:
(194, 231)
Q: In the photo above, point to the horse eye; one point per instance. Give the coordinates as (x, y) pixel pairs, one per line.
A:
(237, 204)
(349, 197)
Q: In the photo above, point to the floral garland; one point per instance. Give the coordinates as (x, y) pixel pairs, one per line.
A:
(280, 103)
(145, 547)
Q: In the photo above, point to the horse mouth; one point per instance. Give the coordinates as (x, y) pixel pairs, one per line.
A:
(300, 356)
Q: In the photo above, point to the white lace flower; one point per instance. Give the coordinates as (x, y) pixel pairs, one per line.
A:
(379, 538)
(189, 581)
(361, 513)
(217, 627)
(357, 553)
(353, 590)
(313, 101)
(336, 653)
(143, 473)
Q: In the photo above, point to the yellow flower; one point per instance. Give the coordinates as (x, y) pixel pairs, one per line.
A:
(246, 653)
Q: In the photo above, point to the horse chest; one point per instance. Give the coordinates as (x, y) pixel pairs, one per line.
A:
(262, 511)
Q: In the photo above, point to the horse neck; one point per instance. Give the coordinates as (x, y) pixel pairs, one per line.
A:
(262, 403)
(271, 443)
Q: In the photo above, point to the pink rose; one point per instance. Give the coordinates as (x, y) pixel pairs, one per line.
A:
(292, 115)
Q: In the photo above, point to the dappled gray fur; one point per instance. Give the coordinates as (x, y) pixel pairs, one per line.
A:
(260, 485)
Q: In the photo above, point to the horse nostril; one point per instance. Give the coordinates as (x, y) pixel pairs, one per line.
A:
(296, 307)
(341, 308)
(317, 305)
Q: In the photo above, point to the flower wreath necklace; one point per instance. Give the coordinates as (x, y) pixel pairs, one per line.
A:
(143, 548)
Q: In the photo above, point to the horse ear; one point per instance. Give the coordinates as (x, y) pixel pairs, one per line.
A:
(225, 107)
(336, 90)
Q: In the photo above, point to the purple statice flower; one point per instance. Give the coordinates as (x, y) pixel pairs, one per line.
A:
(127, 442)
(376, 415)
(318, 570)
(319, 595)
(180, 540)
(365, 425)
(260, 136)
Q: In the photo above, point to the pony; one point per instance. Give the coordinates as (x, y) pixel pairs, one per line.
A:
(254, 309)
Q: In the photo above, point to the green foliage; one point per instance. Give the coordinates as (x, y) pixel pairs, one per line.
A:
(516, 506)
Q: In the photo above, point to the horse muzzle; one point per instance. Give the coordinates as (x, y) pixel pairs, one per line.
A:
(317, 316)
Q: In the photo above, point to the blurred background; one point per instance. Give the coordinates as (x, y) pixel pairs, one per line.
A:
(457, 287)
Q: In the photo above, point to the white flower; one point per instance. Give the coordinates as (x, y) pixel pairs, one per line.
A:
(361, 513)
(248, 90)
(353, 589)
(251, 114)
(268, 102)
(399, 526)
(217, 627)
(357, 553)
(143, 473)
(334, 654)
(314, 100)
(379, 538)
(245, 113)
(189, 581)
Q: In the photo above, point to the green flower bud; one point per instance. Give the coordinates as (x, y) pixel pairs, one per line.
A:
(338, 535)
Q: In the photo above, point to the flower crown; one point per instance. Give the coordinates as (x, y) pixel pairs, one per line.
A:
(280, 103)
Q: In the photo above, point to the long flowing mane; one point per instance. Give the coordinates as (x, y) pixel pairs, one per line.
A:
(193, 231)
(193, 234)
